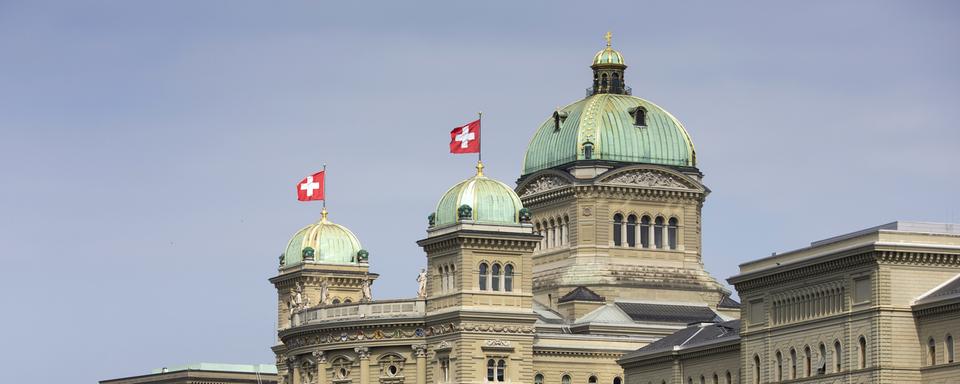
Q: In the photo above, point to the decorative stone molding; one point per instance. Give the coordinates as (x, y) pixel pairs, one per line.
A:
(543, 184)
(319, 356)
(362, 352)
(497, 344)
(419, 350)
(442, 346)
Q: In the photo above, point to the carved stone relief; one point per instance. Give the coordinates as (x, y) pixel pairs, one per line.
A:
(543, 184)
(646, 178)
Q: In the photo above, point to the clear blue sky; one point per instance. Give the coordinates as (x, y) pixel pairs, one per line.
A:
(149, 149)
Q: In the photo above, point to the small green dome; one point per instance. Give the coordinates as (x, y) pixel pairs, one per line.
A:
(608, 56)
(489, 202)
(328, 242)
(607, 124)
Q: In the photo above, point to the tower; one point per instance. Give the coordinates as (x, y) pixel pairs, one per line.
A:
(613, 186)
(479, 311)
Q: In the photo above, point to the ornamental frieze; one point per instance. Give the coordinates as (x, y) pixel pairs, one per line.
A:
(646, 178)
(543, 184)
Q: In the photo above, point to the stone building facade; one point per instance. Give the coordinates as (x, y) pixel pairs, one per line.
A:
(880, 305)
(596, 252)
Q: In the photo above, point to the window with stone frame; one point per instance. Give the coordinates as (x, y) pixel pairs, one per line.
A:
(497, 370)
(444, 363)
(391, 367)
(341, 367)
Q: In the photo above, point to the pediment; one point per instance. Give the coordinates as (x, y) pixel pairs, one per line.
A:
(542, 184)
(650, 177)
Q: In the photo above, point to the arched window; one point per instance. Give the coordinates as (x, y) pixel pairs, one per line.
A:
(862, 360)
(640, 117)
(508, 278)
(822, 363)
(491, 370)
(793, 363)
(837, 357)
(603, 81)
(443, 279)
(538, 379)
(347, 301)
(565, 379)
(617, 232)
(806, 361)
(501, 370)
(672, 233)
(756, 369)
(716, 379)
(779, 372)
(335, 301)
(553, 234)
(540, 232)
(645, 231)
(566, 230)
(592, 380)
(658, 232)
(495, 277)
(689, 380)
(453, 277)
(728, 379)
(483, 276)
(631, 231)
(932, 352)
(949, 347)
(587, 150)
(617, 380)
(703, 380)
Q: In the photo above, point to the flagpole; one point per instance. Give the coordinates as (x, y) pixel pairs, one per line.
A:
(323, 212)
(480, 144)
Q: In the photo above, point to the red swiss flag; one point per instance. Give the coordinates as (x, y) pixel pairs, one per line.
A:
(466, 138)
(311, 188)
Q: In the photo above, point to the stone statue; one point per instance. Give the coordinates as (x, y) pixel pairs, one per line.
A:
(465, 212)
(422, 284)
(367, 296)
(324, 293)
(298, 296)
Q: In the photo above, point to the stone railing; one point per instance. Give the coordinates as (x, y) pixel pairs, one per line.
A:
(390, 309)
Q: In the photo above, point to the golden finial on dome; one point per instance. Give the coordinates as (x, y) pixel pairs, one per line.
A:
(608, 37)
(323, 215)
(479, 168)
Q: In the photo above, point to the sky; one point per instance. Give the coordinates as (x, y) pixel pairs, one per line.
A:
(149, 149)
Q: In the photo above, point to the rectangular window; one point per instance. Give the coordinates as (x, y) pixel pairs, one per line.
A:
(757, 312)
(862, 291)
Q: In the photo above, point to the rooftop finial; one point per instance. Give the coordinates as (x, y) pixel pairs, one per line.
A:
(479, 168)
(608, 37)
(323, 215)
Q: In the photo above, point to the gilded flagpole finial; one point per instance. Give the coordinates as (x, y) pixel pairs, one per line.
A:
(479, 168)
(323, 215)
(608, 37)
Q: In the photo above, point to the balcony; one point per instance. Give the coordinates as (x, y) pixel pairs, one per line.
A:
(384, 309)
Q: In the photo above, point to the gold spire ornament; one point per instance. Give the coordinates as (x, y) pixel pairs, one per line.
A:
(323, 215)
(479, 168)
(608, 37)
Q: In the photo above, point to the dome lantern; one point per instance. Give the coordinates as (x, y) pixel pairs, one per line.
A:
(608, 70)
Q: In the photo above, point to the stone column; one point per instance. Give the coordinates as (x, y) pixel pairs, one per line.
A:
(420, 351)
(293, 369)
(321, 367)
(364, 354)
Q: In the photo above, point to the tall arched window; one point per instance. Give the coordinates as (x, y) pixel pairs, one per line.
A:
(501, 370)
(631, 231)
(587, 150)
(716, 379)
(728, 379)
(793, 363)
(491, 370)
(617, 224)
(592, 380)
(553, 233)
(779, 372)
(565, 379)
(617, 380)
(932, 352)
(672, 233)
(443, 279)
(508, 278)
(658, 232)
(538, 379)
(756, 369)
(495, 277)
(703, 380)
(483, 276)
(640, 117)
(566, 230)
(837, 357)
(645, 231)
(862, 360)
(949, 347)
(453, 277)
(540, 232)
(806, 361)
(822, 363)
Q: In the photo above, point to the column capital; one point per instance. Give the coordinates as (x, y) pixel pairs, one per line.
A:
(420, 350)
(319, 356)
(362, 352)
(291, 359)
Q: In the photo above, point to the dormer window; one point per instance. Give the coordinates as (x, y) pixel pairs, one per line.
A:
(639, 116)
(587, 150)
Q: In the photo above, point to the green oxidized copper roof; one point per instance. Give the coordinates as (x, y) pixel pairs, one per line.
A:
(492, 202)
(332, 243)
(605, 121)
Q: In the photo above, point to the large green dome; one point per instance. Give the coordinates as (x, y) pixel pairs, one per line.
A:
(330, 243)
(490, 202)
(607, 121)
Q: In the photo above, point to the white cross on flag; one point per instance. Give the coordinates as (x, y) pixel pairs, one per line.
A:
(311, 188)
(466, 138)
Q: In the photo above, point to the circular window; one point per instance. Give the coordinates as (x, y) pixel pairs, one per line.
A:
(392, 370)
(342, 373)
